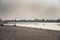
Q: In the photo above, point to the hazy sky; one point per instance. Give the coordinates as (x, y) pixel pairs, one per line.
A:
(30, 9)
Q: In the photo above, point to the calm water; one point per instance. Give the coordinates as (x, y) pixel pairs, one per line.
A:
(52, 26)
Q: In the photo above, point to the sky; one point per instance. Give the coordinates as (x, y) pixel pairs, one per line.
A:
(29, 9)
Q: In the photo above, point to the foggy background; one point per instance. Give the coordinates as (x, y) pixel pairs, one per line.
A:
(29, 9)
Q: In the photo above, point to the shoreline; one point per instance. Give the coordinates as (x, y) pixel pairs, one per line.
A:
(26, 33)
(28, 27)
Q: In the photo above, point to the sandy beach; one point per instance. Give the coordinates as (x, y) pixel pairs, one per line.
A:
(25, 33)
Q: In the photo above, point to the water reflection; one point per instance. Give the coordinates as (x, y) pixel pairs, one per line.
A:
(53, 26)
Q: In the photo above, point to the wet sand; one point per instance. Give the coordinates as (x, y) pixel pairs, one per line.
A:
(25, 33)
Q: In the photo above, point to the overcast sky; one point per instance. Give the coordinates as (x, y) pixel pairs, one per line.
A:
(30, 9)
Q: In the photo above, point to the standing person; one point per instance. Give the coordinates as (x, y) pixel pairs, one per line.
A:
(15, 22)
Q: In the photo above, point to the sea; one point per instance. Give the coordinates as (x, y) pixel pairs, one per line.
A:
(43, 25)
